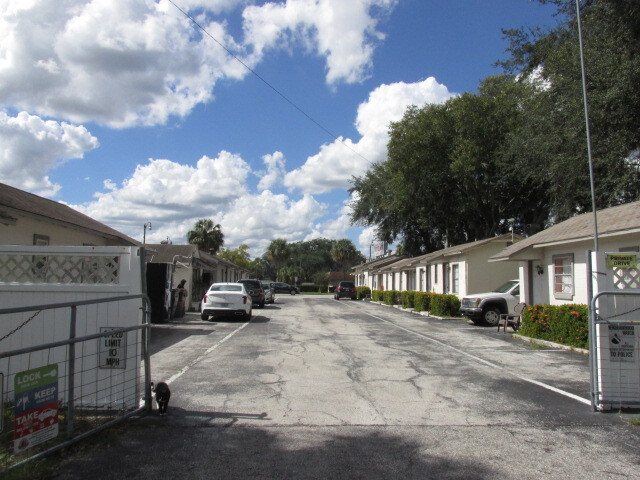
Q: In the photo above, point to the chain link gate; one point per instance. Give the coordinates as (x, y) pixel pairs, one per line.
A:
(614, 318)
(74, 337)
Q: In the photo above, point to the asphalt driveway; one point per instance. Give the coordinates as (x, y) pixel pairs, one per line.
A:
(318, 388)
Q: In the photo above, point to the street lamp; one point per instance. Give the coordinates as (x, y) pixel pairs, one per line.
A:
(144, 232)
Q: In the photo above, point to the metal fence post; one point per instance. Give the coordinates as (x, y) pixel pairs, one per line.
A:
(72, 371)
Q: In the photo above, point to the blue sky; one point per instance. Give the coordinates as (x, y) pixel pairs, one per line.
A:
(127, 112)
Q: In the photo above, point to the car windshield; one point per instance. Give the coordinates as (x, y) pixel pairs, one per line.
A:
(347, 284)
(504, 288)
(225, 288)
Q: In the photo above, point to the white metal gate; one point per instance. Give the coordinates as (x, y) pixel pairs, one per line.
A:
(615, 330)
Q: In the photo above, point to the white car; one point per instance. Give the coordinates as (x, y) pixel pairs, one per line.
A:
(226, 299)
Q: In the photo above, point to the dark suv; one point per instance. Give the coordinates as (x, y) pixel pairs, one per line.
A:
(345, 289)
(281, 287)
(254, 287)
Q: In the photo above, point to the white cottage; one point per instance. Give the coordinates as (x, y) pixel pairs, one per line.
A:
(465, 269)
(553, 263)
(460, 270)
(370, 274)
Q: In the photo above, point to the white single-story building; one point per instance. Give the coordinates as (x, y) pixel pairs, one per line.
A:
(459, 270)
(553, 263)
(369, 274)
(465, 269)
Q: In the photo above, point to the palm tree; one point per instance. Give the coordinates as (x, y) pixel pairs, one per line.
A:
(343, 253)
(207, 236)
(278, 252)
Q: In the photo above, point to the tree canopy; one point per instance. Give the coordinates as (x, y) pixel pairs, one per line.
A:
(307, 259)
(514, 152)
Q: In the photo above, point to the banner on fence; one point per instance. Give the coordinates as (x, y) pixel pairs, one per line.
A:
(35, 407)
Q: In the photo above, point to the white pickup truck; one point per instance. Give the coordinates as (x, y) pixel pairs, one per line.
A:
(485, 308)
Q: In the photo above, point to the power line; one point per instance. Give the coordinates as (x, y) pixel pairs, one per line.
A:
(263, 80)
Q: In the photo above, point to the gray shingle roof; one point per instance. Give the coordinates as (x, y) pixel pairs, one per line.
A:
(620, 219)
(377, 263)
(165, 253)
(19, 200)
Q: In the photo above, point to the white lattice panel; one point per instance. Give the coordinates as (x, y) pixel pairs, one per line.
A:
(65, 269)
(624, 278)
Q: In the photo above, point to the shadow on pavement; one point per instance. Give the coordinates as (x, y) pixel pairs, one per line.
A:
(162, 448)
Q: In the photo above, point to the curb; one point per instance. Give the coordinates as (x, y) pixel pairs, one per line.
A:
(547, 343)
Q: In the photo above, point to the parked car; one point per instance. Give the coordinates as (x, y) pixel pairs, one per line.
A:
(345, 290)
(254, 287)
(281, 287)
(486, 308)
(269, 291)
(226, 299)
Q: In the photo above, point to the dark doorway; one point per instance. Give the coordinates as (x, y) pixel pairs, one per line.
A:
(156, 291)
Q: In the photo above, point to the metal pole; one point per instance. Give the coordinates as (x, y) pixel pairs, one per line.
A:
(72, 372)
(586, 119)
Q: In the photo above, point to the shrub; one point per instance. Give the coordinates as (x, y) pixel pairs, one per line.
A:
(376, 295)
(390, 297)
(408, 299)
(363, 292)
(422, 301)
(566, 324)
(445, 305)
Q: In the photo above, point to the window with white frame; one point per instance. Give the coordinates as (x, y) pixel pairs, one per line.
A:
(563, 286)
(455, 278)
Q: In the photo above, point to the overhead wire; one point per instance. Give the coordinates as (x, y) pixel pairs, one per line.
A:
(266, 82)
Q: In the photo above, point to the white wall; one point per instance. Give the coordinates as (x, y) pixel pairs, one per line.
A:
(578, 249)
(54, 325)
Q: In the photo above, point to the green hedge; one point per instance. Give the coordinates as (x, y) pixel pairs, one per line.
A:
(391, 297)
(445, 305)
(565, 324)
(376, 295)
(408, 299)
(422, 301)
(363, 292)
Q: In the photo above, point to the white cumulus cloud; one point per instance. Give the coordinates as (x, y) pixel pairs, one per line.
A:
(342, 31)
(124, 63)
(173, 196)
(257, 219)
(141, 62)
(336, 163)
(163, 191)
(276, 170)
(31, 146)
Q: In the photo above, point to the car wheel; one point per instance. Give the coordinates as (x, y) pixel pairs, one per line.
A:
(204, 316)
(490, 316)
(247, 316)
(293, 292)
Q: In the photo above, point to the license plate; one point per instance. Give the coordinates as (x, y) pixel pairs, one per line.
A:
(219, 304)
